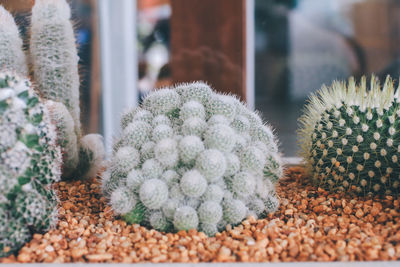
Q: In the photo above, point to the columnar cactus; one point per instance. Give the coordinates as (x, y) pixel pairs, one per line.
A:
(30, 162)
(55, 64)
(190, 158)
(350, 137)
(12, 56)
(69, 143)
(54, 57)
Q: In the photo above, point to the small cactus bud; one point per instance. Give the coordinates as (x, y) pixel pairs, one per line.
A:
(136, 134)
(185, 218)
(192, 109)
(162, 131)
(208, 229)
(243, 184)
(210, 212)
(170, 207)
(153, 193)
(189, 148)
(252, 159)
(162, 101)
(212, 164)
(234, 211)
(218, 119)
(134, 180)
(232, 164)
(122, 200)
(159, 222)
(193, 184)
(147, 151)
(221, 137)
(221, 105)
(125, 160)
(161, 119)
(166, 152)
(196, 91)
(152, 169)
(213, 193)
(194, 126)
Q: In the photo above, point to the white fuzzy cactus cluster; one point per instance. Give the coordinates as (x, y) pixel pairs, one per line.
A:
(30, 161)
(350, 137)
(54, 59)
(190, 158)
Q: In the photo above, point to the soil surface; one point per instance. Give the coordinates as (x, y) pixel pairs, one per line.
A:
(310, 225)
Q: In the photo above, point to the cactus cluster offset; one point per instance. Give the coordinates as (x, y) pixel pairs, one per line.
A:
(54, 59)
(350, 137)
(30, 162)
(190, 158)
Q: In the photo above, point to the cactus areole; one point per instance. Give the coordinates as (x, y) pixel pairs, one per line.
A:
(190, 158)
(350, 137)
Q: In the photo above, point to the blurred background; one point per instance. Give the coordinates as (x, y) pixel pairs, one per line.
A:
(272, 53)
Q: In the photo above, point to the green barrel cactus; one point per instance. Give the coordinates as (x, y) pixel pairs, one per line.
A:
(350, 137)
(30, 162)
(190, 158)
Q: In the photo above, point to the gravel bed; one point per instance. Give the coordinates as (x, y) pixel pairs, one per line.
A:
(310, 225)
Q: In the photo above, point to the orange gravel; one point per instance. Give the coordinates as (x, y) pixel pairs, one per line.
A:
(311, 225)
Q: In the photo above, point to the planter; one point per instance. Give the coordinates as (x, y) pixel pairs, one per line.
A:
(310, 225)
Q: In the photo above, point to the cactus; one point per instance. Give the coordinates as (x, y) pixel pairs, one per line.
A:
(12, 57)
(54, 55)
(55, 63)
(192, 158)
(349, 137)
(69, 143)
(30, 161)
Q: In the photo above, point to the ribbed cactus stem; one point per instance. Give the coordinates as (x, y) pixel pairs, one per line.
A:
(67, 137)
(54, 55)
(350, 138)
(12, 56)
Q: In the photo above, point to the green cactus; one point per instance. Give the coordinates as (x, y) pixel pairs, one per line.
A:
(30, 162)
(54, 55)
(185, 218)
(55, 63)
(210, 212)
(350, 139)
(12, 57)
(69, 143)
(54, 58)
(183, 156)
(159, 222)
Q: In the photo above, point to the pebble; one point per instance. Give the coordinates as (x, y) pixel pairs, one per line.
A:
(310, 225)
